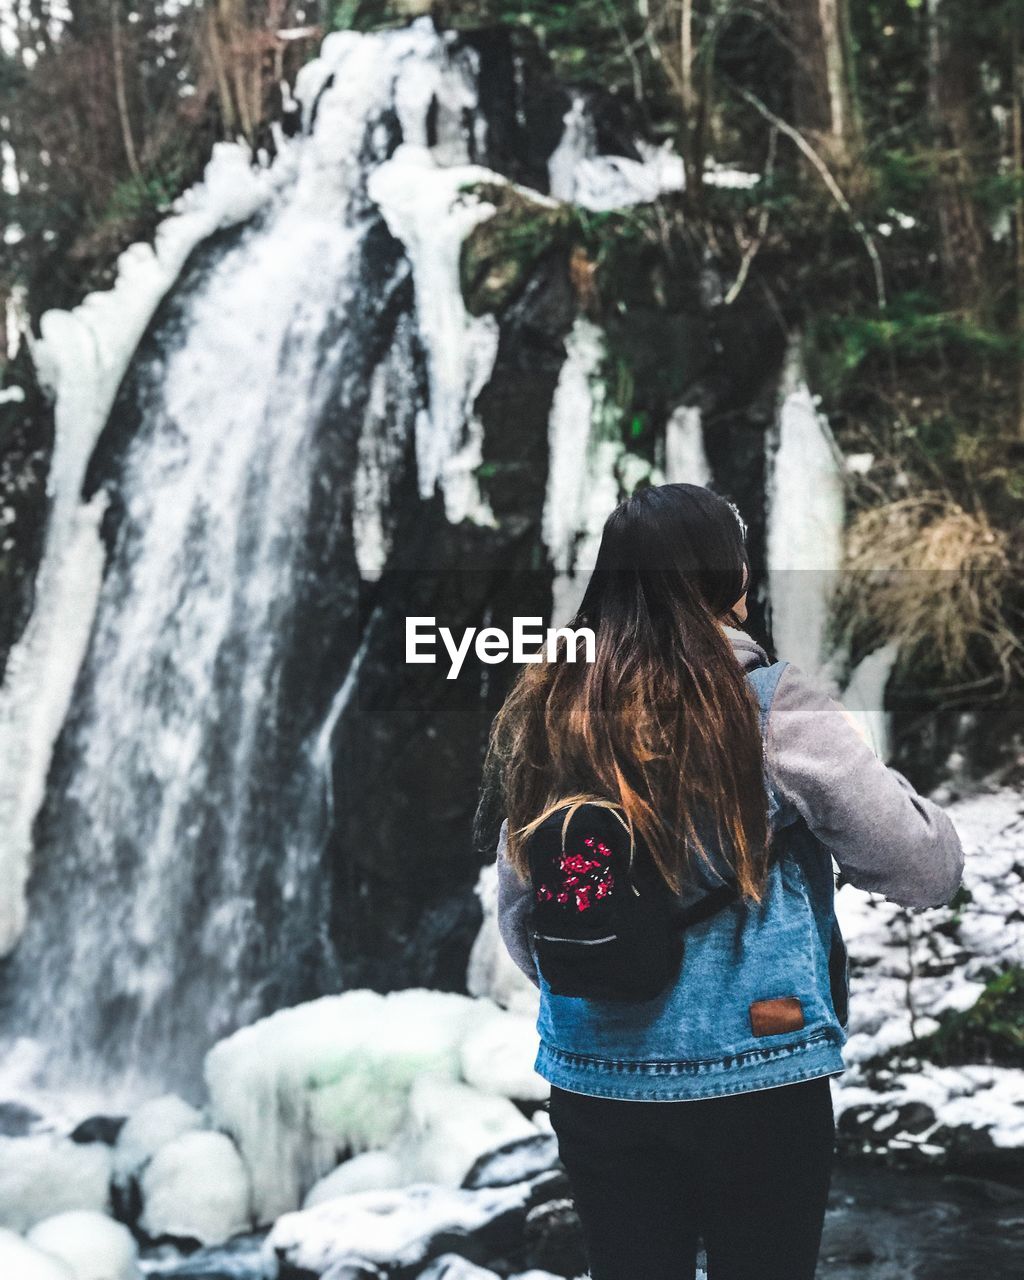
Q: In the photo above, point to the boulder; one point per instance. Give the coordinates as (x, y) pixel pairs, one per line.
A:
(20, 1260)
(196, 1188)
(368, 1171)
(99, 1129)
(450, 1125)
(91, 1244)
(154, 1123)
(44, 1174)
(498, 1057)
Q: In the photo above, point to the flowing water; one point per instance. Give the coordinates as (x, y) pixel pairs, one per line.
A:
(881, 1225)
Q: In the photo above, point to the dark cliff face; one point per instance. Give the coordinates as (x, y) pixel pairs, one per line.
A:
(26, 448)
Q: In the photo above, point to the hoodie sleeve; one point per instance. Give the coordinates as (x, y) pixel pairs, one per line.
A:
(513, 905)
(884, 836)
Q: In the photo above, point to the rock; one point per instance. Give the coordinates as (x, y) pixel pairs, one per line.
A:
(500, 254)
(92, 1245)
(514, 1161)
(197, 1188)
(99, 1129)
(553, 1237)
(450, 1125)
(368, 1171)
(147, 1129)
(21, 1261)
(16, 1120)
(44, 1174)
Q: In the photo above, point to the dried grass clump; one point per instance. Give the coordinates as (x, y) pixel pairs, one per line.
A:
(939, 580)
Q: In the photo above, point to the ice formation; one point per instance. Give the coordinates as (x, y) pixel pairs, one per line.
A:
(805, 524)
(291, 1089)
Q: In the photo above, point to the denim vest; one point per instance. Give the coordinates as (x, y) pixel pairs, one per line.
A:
(760, 998)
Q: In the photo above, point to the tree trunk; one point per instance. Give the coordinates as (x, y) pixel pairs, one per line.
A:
(952, 74)
(824, 96)
(1017, 161)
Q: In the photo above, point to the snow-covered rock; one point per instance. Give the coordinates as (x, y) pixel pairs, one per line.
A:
(92, 1245)
(451, 1266)
(910, 968)
(44, 1174)
(402, 1228)
(449, 1125)
(20, 1260)
(196, 1187)
(293, 1088)
(147, 1129)
(368, 1171)
(514, 1161)
(498, 1058)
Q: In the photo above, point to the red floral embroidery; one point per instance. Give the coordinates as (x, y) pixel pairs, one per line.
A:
(582, 876)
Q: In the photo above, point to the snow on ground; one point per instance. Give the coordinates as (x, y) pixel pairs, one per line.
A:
(907, 968)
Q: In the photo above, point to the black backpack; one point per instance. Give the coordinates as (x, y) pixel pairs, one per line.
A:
(603, 922)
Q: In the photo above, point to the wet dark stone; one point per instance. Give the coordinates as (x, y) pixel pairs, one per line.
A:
(553, 1238)
(26, 446)
(16, 1120)
(99, 1129)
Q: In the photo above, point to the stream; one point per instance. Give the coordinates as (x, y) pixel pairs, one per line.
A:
(881, 1225)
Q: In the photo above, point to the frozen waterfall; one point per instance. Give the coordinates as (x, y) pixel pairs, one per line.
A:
(174, 903)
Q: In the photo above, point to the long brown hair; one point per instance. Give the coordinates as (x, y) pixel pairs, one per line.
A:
(663, 723)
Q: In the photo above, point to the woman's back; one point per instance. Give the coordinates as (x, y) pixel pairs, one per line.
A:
(728, 762)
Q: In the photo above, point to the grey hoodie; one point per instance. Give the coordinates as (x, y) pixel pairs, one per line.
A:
(884, 836)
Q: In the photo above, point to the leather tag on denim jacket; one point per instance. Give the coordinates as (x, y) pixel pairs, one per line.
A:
(772, 1017)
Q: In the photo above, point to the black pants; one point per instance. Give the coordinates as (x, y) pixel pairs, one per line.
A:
(749, 1174)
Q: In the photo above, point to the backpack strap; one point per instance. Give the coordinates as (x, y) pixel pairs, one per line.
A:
(765, 681)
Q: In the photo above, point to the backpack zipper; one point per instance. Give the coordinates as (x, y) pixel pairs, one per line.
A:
(586, 942)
